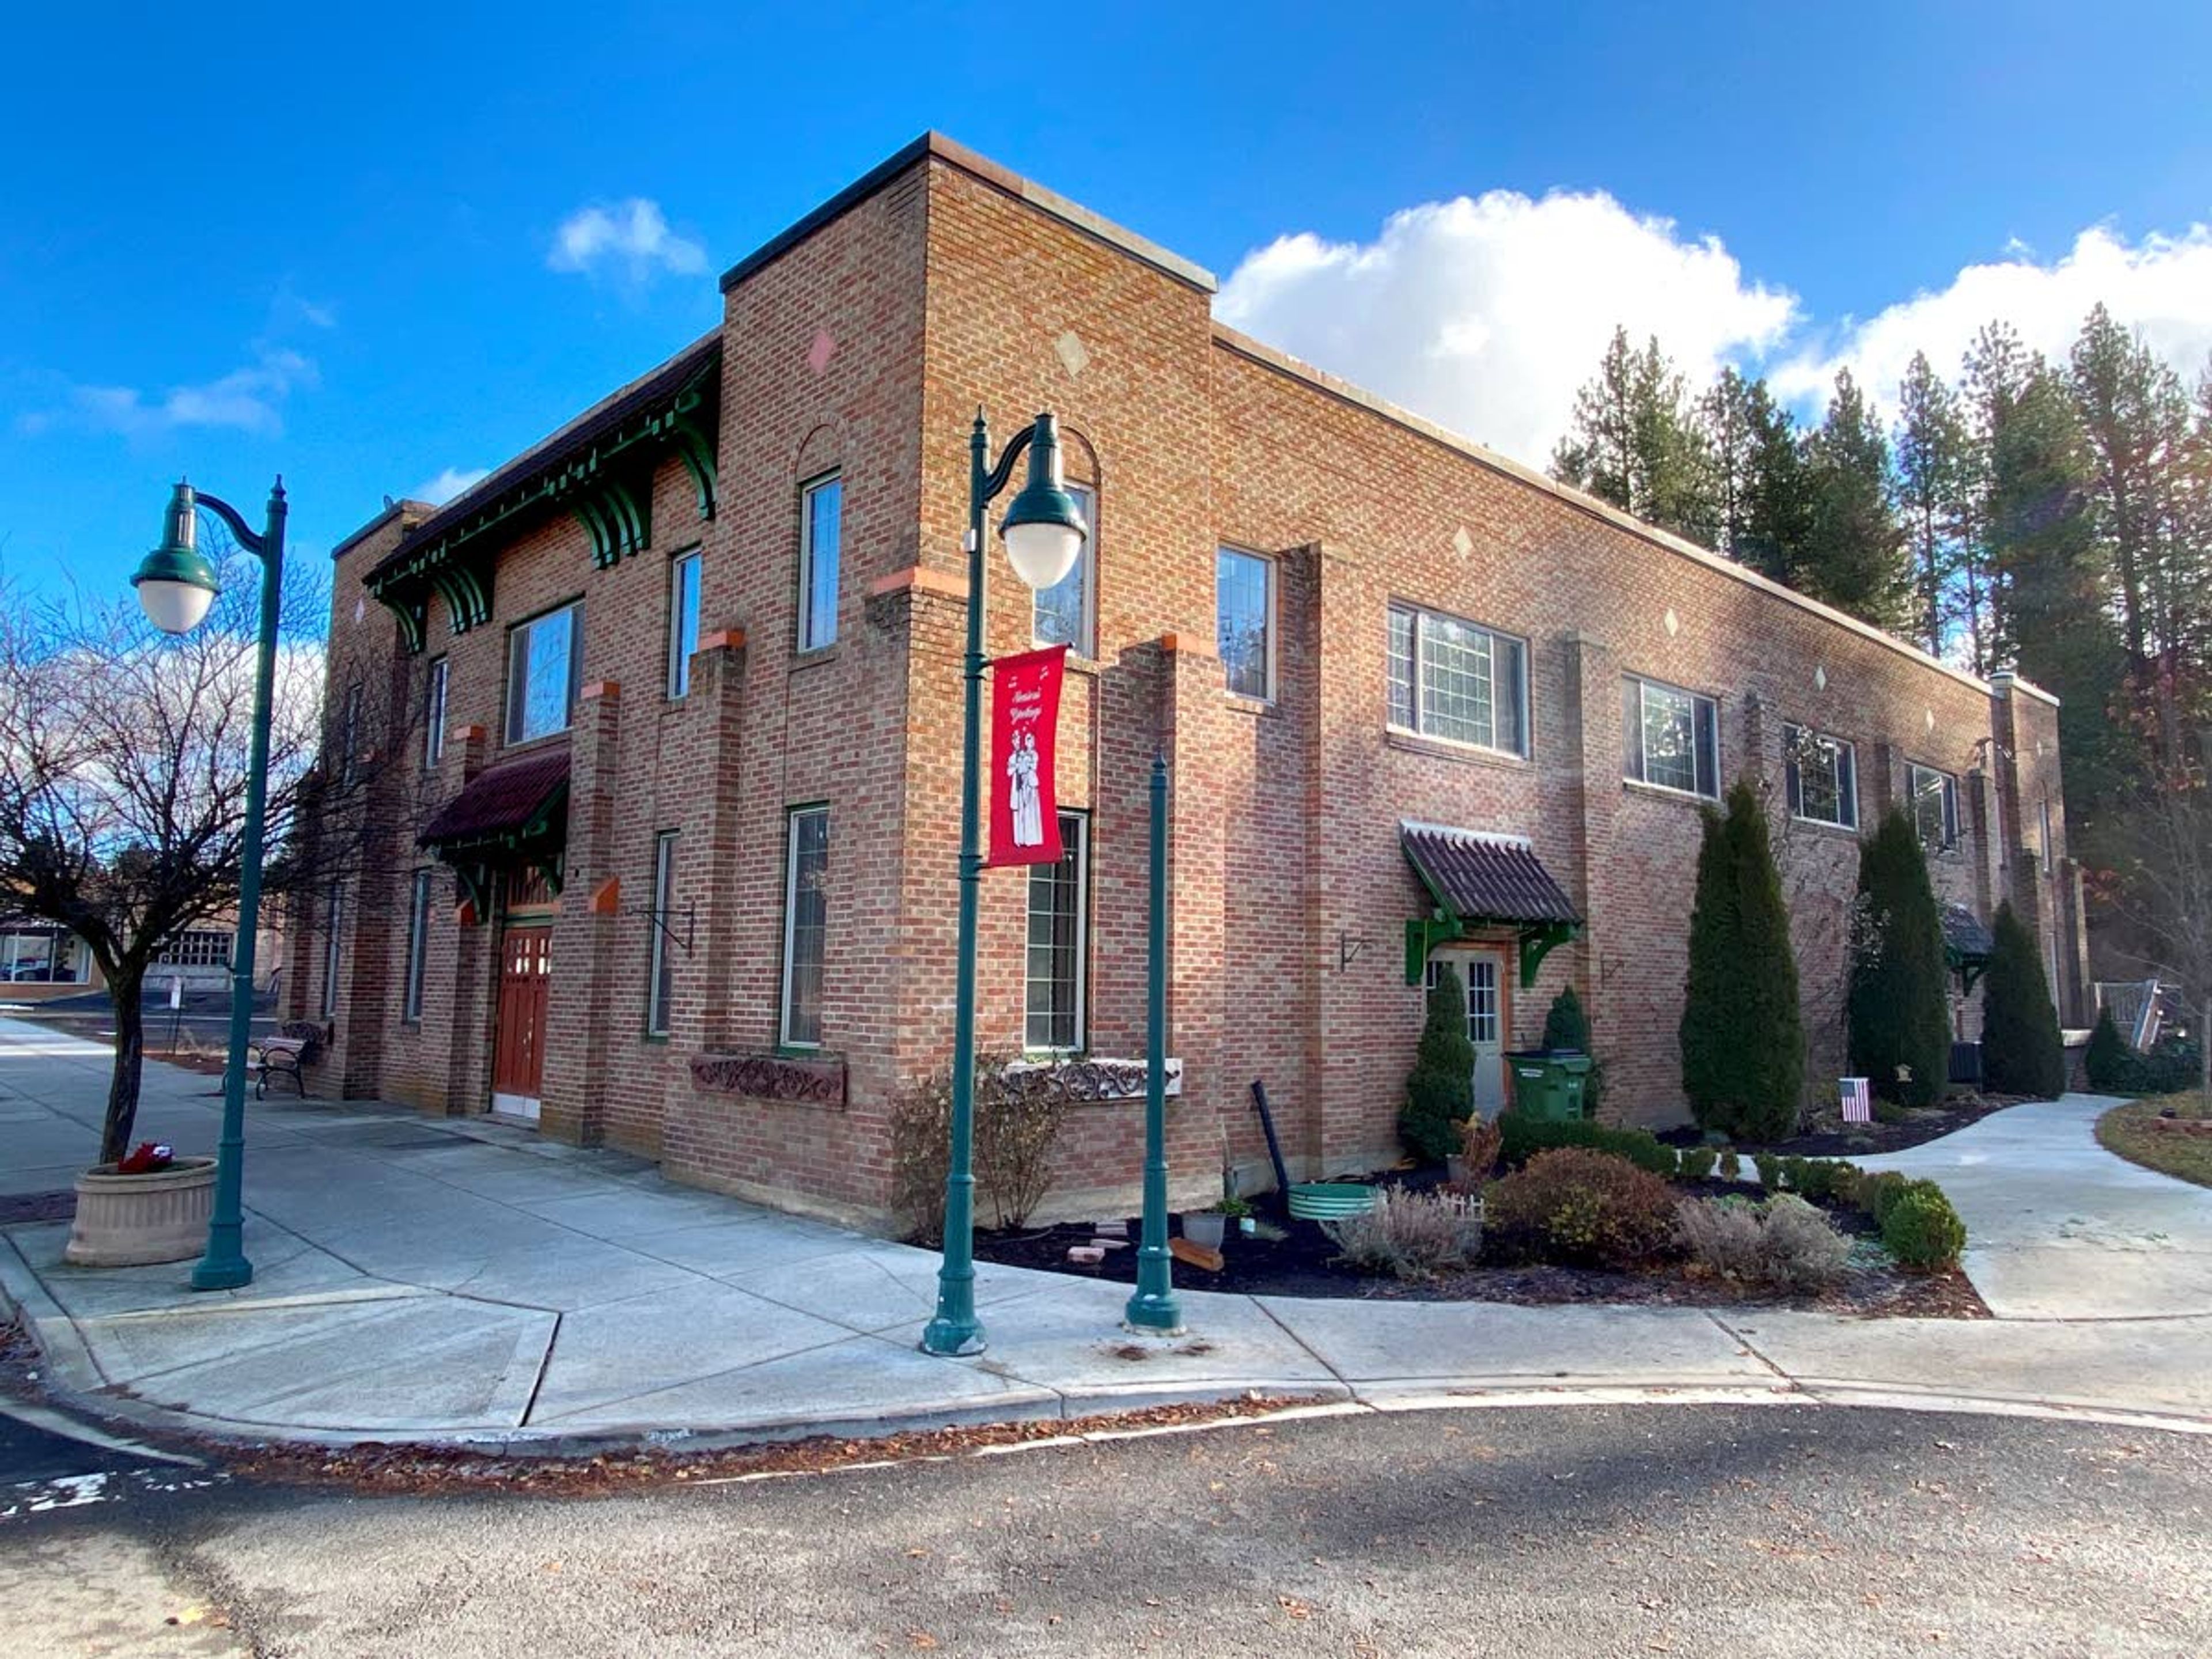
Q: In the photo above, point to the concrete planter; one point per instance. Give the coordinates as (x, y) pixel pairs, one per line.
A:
(128, 1220)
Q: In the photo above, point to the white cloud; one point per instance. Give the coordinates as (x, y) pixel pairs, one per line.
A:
(2161, 285)
(249, 399)
(631, 235)
(1485, 313)
(448, 484)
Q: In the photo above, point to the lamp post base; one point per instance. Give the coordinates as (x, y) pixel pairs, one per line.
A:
(953, 1339)
(210, 1274)
(1153, 1314)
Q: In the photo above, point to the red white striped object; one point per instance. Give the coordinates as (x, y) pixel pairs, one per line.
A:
(1858, 1100)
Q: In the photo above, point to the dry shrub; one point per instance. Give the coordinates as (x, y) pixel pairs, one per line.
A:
(1480, 1140)
(1785, 1242)
(1580, 1207)
(921, 1150)
(1411, 1235)
(1019, 1112)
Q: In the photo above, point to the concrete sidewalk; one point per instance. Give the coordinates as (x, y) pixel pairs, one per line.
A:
(450, 1279)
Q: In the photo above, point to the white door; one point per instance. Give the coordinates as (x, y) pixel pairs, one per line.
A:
(1481, 972)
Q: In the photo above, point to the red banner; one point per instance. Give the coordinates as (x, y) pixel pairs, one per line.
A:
(1024, 739)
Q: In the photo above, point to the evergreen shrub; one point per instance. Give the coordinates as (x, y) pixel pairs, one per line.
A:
(1898, 1002)
(1440, 1092)
(1742, 1034)
(2022, 1052)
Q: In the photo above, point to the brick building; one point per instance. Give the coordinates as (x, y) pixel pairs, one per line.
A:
(679, 688)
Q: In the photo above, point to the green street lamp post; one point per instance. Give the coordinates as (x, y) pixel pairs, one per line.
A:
(1043, 532)
(1153, 1307)
(176, 585)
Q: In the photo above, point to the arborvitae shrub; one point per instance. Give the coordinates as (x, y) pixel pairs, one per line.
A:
(2111, 1062)
(1566, 1025)
(1742, 1036)
(1440, 1092)
(2022, 1053)
(1900, 1025)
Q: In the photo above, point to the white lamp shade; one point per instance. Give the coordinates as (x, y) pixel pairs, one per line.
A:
(175, 607)
(1043, 553)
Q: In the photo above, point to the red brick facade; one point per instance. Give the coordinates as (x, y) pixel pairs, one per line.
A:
(862, 343)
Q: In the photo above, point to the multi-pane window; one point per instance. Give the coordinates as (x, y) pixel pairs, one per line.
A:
(1244, 621)
(44, 956)
(1452, 680)
(1065, 611)
(544, 670)
(1935, 805)
(1822, 774)
(806, 926)
(1058, 936)
(822, 512)
(1669, 738)
(682, 622)
(1480, 976)
(418, 940)
(434, 714)
(198, 947)
(661, 985)
(334, 926)
(2046, 853)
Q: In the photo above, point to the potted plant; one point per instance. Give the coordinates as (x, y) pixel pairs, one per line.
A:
(1205, 1228)
(1239, 1210)
(149, 1206)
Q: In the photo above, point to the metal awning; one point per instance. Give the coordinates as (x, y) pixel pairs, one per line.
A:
(1481, 881)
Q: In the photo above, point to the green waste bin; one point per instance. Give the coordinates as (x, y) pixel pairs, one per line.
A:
(1548, 1083)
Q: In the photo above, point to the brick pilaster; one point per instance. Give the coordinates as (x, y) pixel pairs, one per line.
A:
(584, 1007)
(712, 856)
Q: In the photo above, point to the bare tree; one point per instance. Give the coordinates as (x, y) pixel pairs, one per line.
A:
(123, 769)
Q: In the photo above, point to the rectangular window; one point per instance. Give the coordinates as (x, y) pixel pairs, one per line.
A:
(1066, 611)
(350, 739)
(201, 947)
(683, 622)
(806, 926)
(821, 526)
(1669, 738)
(544, 670)
(1058, 942)
(1244, 621)
(418, 941)
(2046, 853)
(334, 920)
(661, 987)
(1452, 680)
(433, 715)
(1935, 805)
(45, 957)
(1822, 775)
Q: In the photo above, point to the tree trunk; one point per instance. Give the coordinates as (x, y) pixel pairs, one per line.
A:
(125, 994)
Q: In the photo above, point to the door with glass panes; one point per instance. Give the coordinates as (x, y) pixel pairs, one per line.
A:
(1482, 972)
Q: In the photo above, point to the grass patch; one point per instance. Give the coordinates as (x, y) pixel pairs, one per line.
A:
(2132, 1132)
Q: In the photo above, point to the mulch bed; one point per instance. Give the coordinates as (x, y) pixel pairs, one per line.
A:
(1303, 1263)
(1829, 1136)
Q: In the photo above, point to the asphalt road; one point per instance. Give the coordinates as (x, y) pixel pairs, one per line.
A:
(1579, 1531)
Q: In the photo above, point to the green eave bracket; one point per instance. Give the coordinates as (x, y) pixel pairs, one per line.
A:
(1968, 969)
(1537, 940)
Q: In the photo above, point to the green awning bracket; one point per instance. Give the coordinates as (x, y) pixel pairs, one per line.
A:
(1539, 941)
(1536, 940)
(1423, 935)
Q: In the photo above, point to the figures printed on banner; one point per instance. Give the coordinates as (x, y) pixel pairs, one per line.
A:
(1023, 799)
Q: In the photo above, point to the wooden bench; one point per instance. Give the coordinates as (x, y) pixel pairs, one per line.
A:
(296, 1045)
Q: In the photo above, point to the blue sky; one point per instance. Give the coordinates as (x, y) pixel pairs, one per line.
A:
(325, 239)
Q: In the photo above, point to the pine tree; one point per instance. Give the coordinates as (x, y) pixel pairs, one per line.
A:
(1742, 1035)
(1932, 472)
(1852, 557)
(1756, 477)
(2135, 422)
(2022, 1052)
(1636, 444)
(1440, 1092)
(1900, 1028)
(1566, 1025)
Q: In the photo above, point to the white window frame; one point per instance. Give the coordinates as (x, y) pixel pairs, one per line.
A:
(1950, 837)
(1418, 614)
(418, 949)
(333, 946)
(1272, 604)
(790, 919)
(518, 683)
(1636, 767)
(435, 689)
(1847, 800)
(1085, 572)
(198, 947)
(1465, 961)
(659, 994)
(684, 575)
(812, 635)
(1075, 844)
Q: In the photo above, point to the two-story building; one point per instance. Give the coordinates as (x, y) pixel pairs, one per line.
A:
(682, 690)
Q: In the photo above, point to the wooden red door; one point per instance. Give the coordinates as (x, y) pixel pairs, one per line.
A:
(518, 1070)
